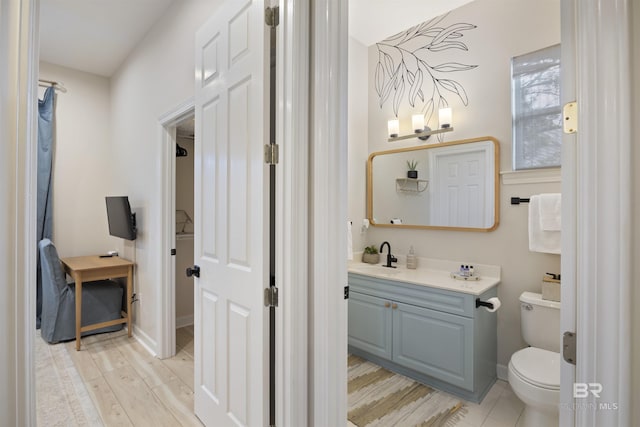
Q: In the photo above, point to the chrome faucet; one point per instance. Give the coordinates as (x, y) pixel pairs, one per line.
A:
(390, 258)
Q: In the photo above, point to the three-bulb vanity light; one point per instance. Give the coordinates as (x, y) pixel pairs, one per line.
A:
(420, 130)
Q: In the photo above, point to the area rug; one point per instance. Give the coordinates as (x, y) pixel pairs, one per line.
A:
(61, 396)
(378, 397)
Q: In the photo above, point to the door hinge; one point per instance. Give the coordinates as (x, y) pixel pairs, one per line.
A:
(271, 154)
(271, 296)
(173, 251)
(272, 16)
(346, 292)
(569, 347)
(570, 117)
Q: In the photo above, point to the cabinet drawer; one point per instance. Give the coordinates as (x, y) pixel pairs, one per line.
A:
(423, 296)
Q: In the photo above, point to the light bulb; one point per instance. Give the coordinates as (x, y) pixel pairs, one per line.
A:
(417, 120)
(394, 127)
(444, 117)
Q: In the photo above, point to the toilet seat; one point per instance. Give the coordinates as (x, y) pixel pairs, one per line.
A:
(537, 367)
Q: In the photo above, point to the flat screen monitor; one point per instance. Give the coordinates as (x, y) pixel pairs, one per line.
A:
(122, 223)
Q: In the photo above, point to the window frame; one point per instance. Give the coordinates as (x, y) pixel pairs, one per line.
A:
(520, 115)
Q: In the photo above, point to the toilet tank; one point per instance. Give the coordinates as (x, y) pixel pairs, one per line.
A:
(540, 321)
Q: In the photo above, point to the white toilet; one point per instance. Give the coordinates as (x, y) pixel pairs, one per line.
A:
(534, 372)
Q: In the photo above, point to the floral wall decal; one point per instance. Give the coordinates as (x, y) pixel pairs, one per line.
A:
(404, 66)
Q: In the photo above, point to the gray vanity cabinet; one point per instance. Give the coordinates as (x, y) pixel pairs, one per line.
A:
(370, 323)
(435, 343)
(435, 336)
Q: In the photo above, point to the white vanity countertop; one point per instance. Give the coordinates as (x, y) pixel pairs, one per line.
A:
(431, 273)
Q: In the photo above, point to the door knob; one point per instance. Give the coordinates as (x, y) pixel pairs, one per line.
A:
(193, 271)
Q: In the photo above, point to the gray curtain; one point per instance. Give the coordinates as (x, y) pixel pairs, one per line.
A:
(45, 161)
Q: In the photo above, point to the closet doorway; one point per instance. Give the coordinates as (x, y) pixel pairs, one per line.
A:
(184, 232)
(175, 319)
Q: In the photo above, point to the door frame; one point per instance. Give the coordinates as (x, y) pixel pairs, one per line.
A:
(19, 50)
(166, 299)
(293, 241)
(328, 214)
(596, 57)
(602, 222)
(569, 203)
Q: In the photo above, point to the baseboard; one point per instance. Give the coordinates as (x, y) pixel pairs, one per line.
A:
(183, 321)
(145, 340)
(502, 372)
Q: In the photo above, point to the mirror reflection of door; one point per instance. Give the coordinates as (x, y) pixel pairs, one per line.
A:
(460, 190)
(456, 186)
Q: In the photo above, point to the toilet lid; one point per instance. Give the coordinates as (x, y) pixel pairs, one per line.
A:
(538, 367)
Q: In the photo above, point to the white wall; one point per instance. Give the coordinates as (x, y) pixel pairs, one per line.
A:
(82, 171)
(358, 131)
(505, 28)
(156, 77)
(411, 207)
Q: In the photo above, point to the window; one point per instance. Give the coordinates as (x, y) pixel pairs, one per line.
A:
(536, 109)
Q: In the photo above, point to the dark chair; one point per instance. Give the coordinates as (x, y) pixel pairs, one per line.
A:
(101, 300)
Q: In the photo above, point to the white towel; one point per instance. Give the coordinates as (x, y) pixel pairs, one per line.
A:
(349, 242)
(550, 211)
(539, 239)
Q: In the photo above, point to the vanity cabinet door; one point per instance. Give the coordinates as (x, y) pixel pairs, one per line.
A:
(435, 343)
(370, 324)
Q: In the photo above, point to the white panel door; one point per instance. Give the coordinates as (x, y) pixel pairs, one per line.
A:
(231, 218)
(460, 188)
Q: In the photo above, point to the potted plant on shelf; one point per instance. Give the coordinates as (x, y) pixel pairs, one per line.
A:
(412, 172)
(371, 255)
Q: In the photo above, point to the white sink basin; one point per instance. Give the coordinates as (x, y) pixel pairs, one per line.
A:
(376, 270)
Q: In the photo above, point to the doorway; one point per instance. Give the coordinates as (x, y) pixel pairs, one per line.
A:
(184, 221)
(176, 297)
(184, 234)
(371, 59)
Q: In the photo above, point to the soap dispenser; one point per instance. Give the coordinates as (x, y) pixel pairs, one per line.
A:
(412, 261)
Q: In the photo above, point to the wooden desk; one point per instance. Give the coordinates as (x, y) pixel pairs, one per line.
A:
(90, 268)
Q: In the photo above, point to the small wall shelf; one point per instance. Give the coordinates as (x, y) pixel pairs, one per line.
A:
(182, 221)
(411, 185)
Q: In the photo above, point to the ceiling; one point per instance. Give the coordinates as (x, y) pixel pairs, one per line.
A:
(371, 21)
(96, 36)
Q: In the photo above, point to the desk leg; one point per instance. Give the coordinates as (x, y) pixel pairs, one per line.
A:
(78, 310)
(129, 295)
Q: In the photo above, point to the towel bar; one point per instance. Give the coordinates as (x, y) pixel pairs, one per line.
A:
(518, 200)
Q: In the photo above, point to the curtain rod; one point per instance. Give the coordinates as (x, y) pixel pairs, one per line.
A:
(55, 85)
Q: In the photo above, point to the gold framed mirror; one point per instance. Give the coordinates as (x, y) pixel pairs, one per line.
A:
(453, 186)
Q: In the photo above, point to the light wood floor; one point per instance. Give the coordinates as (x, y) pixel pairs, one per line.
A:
(129, 387)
